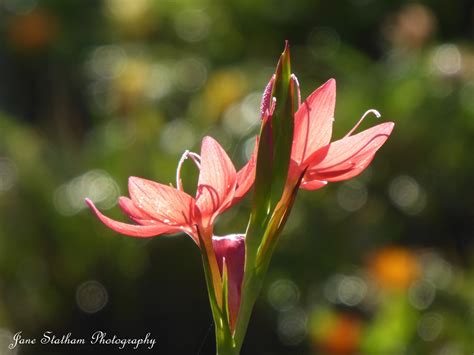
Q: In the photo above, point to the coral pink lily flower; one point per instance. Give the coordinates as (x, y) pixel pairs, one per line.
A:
(327, 161)
(312, 151)
(161, 209)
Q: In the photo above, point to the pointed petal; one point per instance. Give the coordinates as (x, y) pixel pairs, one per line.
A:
(134, 213)
(217, 180)
(246, 176)
(131, 229)
(349, 156)
(313, 122)
(232, 249)
(161, 202)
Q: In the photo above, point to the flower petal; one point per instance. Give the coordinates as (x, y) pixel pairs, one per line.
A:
(313, 122)
(356, 170)
(312, 184)
(350, 155)
(136, 214)
(246, 176)
(217, 180)
(232, 249)
(161, 202)
(131, 229)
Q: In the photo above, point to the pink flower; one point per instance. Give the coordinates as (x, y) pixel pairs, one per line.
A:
(161, 209)
(312, 149)
(231, 250)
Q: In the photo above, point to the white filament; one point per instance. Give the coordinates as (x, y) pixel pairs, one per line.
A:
(187, 154)
(375, 112)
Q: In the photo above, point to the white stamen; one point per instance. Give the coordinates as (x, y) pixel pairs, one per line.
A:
(295, 80)
(187, 154)
(375, 112)
(196, 159)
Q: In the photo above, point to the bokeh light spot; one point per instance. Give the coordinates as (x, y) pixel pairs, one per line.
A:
(283, 294)
(91, 296)
(159, 82)
(107, 62)
(430, 326)
(407, 194)
(127, 11)
(192, 25)
(421, 294)
(344, 289)
(190, 74)
(177, 136)
(352, 195)
(446, 59)
(248, 148)
(242, 117)
(95, 184)
(351, 290)
(120, 134)
(292, 326)
(436, 269)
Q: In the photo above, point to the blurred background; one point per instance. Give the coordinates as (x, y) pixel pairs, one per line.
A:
(93, 92)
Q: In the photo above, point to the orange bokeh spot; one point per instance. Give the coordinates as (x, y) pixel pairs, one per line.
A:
(394, 267)
(32, 31)
(341, 335)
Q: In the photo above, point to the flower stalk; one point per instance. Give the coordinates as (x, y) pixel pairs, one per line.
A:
(272, 191)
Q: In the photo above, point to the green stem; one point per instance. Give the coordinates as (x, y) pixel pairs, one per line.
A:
(256, 264)
(224, 343)
(249, 296)
(252, 285)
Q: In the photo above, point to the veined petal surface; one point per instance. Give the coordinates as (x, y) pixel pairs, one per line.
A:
(313, 122)
(217, 180)
(132, 230)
